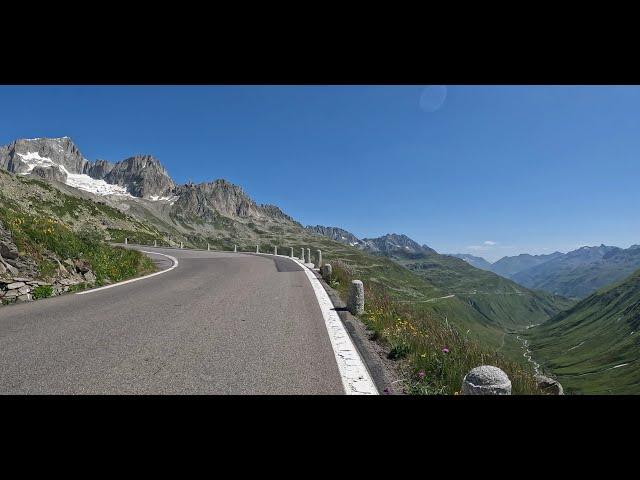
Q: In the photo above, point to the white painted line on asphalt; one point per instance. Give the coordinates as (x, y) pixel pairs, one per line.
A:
(173, 259)
(356, 379)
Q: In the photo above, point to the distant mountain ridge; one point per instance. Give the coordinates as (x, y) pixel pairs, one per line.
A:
(581, 272)
(394, 243)
(509, 266)
(477, 262)
(335, 233)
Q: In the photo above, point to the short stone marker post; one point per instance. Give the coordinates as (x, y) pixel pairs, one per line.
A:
(548, 385)
(235, 248)
(308, 255)
(181, 246)
(486, 380)
(257, 248)
(126, 241)
(208, 247)
(275, 250)
(326, 271)
(319, 258)
(355, 302)
(291, 252)
(302, 255)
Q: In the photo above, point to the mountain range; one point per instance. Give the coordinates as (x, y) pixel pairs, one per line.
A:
(222, 215)
(575, 274)
(591, 345)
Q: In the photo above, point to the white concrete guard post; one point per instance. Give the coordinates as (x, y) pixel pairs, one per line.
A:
(155, 243)
(257, 248)
(308, 255)
(181, 245)
(126, 241)
(235, 248)
(302, 255)
(355, 302)
(326, 271)
(208, 248)
(486, 380)
(291, 252)
(275, 250)
(319, 258)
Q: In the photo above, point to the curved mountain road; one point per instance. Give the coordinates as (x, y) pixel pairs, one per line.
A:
(219, 323)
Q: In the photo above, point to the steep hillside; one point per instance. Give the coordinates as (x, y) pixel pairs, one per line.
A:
(51, 243)
(477, 301)
(594, 346)
(499, 301)
(581, 272)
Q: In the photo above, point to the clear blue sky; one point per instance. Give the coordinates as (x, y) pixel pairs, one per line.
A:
(529, 169)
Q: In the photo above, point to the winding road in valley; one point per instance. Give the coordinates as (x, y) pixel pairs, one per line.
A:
(214, 323)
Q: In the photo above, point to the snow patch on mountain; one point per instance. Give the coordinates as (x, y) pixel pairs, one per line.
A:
(98, 187)
(76, 180)
(33, 160)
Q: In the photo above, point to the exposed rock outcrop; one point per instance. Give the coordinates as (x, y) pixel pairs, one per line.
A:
(50, 173)
(20, 156)
(335, 233)
(19, 275)
(142, 175)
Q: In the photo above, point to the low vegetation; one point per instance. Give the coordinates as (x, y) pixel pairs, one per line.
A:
(593, 347)
(433, 355)
(36, 234)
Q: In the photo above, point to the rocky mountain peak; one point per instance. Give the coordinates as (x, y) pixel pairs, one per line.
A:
(335, 233)
(142, 175)
(393, 242)
(23, 155)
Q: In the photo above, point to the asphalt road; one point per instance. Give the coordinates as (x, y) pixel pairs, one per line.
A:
(219, 323)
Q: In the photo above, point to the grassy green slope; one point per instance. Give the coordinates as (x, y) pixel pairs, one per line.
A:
(499, 301)
(593, 347)
(483, 304)
(45, 221)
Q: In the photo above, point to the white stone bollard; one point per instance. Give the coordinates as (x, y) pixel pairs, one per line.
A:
(486, 380)
(126, 241)
(235, 248)
(291, 252)
(181, 246)
(319, 259)
(155, 243)
(308, 255)
(208, 247)
(257, 248)
(355, 302)
(326, 271)
(302, 255)
(275, 250)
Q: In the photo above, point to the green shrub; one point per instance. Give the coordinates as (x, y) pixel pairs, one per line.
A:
(42, 291)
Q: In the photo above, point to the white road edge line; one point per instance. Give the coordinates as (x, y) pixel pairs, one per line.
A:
(173, 259)
(356, 378)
